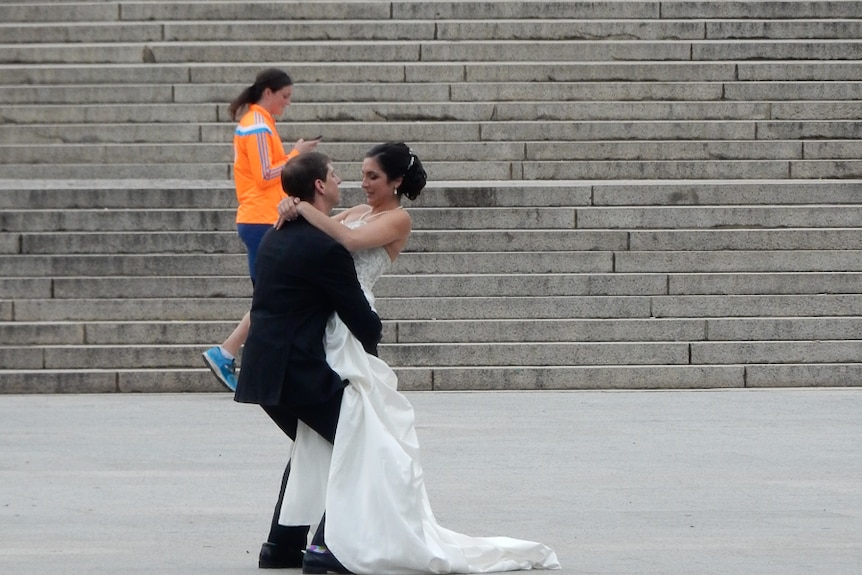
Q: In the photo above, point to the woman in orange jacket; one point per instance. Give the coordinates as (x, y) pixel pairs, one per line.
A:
(259, 157)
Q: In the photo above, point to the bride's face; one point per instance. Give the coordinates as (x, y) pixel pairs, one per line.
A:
(378, 187)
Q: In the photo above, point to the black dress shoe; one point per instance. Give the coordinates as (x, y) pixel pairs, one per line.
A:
(274, 557)
(318, 562)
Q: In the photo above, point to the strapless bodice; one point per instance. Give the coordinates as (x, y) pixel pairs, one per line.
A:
(370, 264)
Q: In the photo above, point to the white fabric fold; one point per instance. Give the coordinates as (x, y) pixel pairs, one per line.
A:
(378, 515)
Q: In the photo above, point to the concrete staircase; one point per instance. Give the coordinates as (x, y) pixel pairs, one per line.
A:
(623, 194)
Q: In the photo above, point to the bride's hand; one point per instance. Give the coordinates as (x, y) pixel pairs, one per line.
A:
(287, 211)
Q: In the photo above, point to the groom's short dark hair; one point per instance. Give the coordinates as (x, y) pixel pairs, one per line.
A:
(300, 173)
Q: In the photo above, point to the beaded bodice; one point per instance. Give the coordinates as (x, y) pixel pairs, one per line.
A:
(370, 264)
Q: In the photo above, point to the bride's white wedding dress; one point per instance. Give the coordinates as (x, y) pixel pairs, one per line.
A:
(370, 482)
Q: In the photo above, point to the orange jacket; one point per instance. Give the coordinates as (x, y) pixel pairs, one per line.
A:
(258, 159)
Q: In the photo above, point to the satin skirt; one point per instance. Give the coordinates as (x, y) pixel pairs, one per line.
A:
(371, 485)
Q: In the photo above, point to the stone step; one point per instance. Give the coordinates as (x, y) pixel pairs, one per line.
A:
(143, 11)
(786, 28)
(200, 142)
(227, 242)
(442, 154)
(458, 331)
(746, 240)
(110, 381)
(210, 194)
(121, 141)
(453, 285)
(121, 333)
(607, 106)
(112, 170)
(423, 355)
(738, 261)
(237, 30)
(125, 194)
(402, 51)
(642, 353)
(783, 329)
(673, 150)
(461, 378)
(692, 151)
(753, 283)
(128, 113)
(434, 72)
(441, 308)
(731, 306)
(728, 192)
(436, 51)
(217, 194)
(624, 261)
(644, 330)
(422, 379)
(85, 122)
(776, 352)
(378, 11)
(648, 377)
(236, 264)
(686, 169)
(180, 219)
(195, 332)
(671, 129)
(802, 71)
(466, 354)
(724, 50)
(475, 171)
(58, 12)
(697, 217)
(466, 171)
(417, 30)
(238, 73)
(164, 265)
(438, 29)
(62, 123)
(449, 222)
(748, 10)
(470, 10)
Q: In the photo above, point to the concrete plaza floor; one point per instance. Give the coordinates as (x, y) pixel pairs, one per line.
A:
(754, 482)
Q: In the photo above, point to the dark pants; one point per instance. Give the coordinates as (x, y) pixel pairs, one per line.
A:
(323, 419)
(251, 235)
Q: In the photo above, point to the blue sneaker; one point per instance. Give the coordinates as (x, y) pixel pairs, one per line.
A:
(223, 368)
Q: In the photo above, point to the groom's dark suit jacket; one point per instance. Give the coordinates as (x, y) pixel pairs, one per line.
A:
(303, 276)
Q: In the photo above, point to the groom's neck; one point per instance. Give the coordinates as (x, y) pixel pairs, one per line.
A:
(322, 206)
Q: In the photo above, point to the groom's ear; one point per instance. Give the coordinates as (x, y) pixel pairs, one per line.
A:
(319, 186)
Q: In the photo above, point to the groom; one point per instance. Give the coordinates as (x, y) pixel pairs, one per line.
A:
(303, 276)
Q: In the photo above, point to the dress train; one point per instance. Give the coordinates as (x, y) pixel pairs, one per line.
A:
(371, 484)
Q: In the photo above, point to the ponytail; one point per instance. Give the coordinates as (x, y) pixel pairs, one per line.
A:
(271, 78)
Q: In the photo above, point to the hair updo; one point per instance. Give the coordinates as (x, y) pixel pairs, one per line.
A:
(271, 78)
(397, 160)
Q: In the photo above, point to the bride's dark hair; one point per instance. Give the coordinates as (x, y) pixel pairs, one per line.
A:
(397, 160)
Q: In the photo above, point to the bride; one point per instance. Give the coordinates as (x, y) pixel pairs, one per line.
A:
(389, 528)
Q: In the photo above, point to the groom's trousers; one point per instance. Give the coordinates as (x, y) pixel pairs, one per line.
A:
(322, 418)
